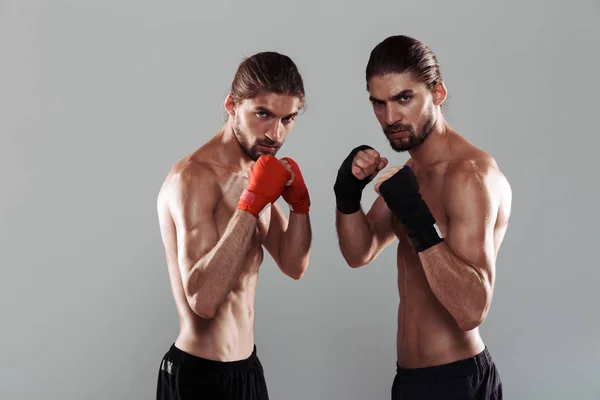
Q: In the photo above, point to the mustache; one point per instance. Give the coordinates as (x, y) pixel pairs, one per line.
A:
(269, 144)
(397, 127)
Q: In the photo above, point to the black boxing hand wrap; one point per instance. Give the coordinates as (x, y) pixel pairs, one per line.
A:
(348, 188)
(401, 194)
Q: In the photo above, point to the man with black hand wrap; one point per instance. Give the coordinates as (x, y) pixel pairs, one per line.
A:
(447, 208)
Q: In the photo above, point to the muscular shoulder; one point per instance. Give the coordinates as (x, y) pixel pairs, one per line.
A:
(476, 179)
(469, 171)
(189, 179)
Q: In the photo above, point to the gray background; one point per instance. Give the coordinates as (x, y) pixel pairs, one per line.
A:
(99, 98)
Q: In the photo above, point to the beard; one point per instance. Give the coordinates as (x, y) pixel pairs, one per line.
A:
(414, 139)
(251, 149)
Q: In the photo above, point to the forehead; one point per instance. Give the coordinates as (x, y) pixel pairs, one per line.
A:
(281, 104)
(388, 85)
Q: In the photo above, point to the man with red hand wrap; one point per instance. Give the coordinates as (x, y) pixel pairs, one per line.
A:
(218, 212)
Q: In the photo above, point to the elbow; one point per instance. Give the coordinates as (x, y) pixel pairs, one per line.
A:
(473, 319)
(476, 312)
(355, 262)
(294, 268)
(206, 313)
(468, 323)
(296, 273)
(203, 306)
(203, 309)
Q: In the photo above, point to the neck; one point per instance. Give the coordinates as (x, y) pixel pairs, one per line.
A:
(434, 148)
(230, 149)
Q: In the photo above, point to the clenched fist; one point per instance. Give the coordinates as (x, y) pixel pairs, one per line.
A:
(357, 170)
(385, 175)
(296, 192)
(367, 163)
(267, 181)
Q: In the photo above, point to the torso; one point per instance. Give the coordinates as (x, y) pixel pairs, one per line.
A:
(229, 335)
(427, 334)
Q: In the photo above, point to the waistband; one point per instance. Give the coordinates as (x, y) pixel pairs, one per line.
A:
(179, 356)
(455, 369)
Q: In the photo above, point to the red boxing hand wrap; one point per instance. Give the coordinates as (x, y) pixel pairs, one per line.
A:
(267, 180)
(252, 203)
(296, 195)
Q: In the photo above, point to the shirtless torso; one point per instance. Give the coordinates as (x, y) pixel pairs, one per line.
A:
(200, 196)
(218, 213)
(428, 334)
(229, 334)
(448, 208)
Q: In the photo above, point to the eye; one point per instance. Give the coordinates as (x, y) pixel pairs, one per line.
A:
(377, 103)
(287, 120)
(261, 114)
(404, 98)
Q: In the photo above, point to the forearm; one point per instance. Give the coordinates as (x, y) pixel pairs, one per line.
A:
(294, 251)
(214, 275)
(356, 238)
(458, 285)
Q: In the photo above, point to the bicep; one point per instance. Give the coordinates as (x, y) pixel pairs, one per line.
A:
(472, 213)
(192, 207)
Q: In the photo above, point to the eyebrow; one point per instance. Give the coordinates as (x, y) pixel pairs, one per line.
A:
(271, 113)
(394, 97)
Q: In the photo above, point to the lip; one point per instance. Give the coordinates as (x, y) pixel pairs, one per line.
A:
(398, 134)
(267, 149)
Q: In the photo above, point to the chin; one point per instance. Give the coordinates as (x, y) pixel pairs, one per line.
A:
(253, 155)
(400, 147)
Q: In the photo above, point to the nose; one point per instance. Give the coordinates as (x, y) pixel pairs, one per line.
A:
(275, 131)
(392, 114)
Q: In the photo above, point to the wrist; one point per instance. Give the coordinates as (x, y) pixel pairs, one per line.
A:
(297, 198)
(348, 188)
(348, 192)
(422, 229)
(299, 209)
(252, 203)
(348, 203)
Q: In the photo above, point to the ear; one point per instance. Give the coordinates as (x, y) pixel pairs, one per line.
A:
(439, 94)
(229, 105)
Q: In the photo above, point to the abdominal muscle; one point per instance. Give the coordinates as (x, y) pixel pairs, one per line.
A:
(427, 334)
(229, 335)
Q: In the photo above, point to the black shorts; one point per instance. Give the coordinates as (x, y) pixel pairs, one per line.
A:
(183, 376)
(469, 379)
